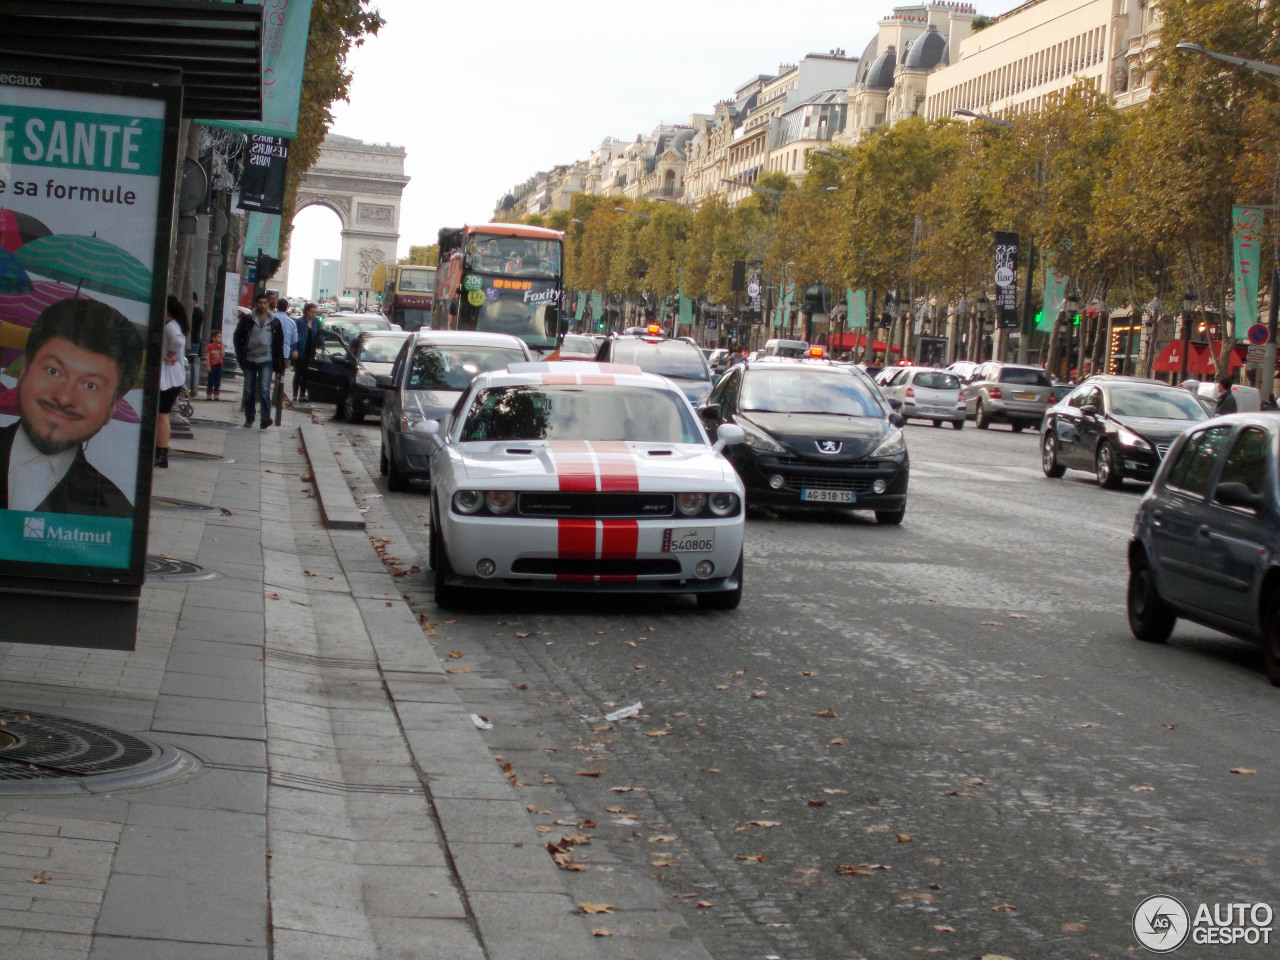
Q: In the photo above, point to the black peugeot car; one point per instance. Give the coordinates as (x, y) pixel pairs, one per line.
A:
(1118, 428)
(818, 436)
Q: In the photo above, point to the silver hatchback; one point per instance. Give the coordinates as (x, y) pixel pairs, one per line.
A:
(431, 373)
(1016, 394)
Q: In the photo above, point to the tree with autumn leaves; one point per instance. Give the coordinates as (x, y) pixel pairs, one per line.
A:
(1129, 206)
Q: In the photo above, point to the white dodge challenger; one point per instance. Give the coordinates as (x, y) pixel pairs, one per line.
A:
(583, 477)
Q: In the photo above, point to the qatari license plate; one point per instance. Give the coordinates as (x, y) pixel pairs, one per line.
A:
(688, 539)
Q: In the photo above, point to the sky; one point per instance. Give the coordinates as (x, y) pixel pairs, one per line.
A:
(483, 97)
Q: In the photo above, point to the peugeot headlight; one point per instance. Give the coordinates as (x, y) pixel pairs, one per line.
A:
(1128, 438)
(893, 444)
(365, 379)
(758, 440)
(408, 419)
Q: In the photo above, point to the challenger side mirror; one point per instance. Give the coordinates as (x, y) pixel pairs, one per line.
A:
(727, 435)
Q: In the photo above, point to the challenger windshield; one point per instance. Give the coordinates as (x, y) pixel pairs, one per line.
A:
(539, 412)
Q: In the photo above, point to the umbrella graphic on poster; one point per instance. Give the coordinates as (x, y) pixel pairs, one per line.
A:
(19, 228)
(19, 310)
(89, 263)
(13, 279)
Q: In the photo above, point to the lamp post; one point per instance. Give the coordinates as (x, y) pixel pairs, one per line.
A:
(980, 315)
(974, 115)
(1269, 72)
(1188, 304)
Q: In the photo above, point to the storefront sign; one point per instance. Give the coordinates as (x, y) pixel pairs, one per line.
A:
(86, 191)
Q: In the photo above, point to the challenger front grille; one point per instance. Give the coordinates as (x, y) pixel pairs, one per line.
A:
(552, 503)
(552, 566)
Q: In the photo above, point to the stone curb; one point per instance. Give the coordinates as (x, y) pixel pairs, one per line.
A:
(336, 503)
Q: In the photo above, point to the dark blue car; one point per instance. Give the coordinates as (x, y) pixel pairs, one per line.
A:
(1206, 540)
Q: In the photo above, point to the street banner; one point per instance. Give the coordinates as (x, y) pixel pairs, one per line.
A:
(265, 167)
(686, 310)
(1246, 236)
(782, 316)
(1055, 289)
(262, 235)
(87, 160)
(581, 308)
(856, 307)
(597, 305)
(754, 309)
(1006, 277)
(285, 24)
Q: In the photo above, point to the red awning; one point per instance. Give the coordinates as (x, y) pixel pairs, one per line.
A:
(855, 341)
(1200, 359)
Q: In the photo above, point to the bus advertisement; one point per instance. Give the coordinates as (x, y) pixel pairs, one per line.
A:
(501, 278)
(409, 295)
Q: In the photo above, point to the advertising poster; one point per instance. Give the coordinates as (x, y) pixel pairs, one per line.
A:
(266, 167)
(1246, 235)
(86, 190)
(1006, 277)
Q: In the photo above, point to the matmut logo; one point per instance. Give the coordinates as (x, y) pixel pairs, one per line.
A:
(36, 528)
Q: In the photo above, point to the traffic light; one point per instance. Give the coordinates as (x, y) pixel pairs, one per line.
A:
(379, 298)
(600, 324)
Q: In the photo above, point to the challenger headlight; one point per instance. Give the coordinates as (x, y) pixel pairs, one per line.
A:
(468, 501)
(365, 379)
(691, 504)
(1128, 438)
(723, 504)
(893, 444)
(761, 441)
(500, 501)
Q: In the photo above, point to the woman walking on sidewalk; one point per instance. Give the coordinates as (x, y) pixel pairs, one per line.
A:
(173, 373)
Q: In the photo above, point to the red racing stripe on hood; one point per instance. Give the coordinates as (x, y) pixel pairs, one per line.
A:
(575, 466)
(617, 466)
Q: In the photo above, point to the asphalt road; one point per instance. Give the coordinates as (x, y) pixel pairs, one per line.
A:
(938, 738)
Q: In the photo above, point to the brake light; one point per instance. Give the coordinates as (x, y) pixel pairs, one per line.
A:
(911, 391)
(995, 393)
(1052, 398)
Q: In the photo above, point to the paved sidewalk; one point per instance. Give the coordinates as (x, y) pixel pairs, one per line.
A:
(344, 804)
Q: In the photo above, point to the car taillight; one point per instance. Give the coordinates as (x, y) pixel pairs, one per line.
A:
(911, 391)
(995, 393)
(1052, 398)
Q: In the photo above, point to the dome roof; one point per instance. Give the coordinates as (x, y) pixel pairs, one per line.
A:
(926, 51)
(868, 55)
(880, 76)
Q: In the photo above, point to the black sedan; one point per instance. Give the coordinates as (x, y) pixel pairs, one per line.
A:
(818, 436)
(354, 375)
(1118, 428)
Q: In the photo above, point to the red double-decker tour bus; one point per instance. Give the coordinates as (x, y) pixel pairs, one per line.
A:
(501, 278)
(409, 295)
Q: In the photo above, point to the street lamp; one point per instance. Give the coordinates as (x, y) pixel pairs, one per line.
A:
(843, 157)
(974, 115)
(634, 213)
(1188, 304)
(1269, 71)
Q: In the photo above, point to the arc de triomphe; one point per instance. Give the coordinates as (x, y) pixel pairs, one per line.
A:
(362, 183)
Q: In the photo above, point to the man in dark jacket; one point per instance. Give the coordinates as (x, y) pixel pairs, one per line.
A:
(81, 357)
(259, 343)
(1226, 400)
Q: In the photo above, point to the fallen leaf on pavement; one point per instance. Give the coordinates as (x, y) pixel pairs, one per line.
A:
(1004, 908)
(454, 654)
(755, 858)
(523, 636)
(826, 713)
(1074, 928)
(738, 673)
(1143, 789)
(991, 623)
(626, 789)
(662, 838)
(943, 928)
(765, 823)
(656, 733)
(1017, 616)
(972, 783)
(836, 741)
(589, 773)
(594, 908)
(664, 863)
(1242, 770)
(41, 877)
(274, 596)
(722, 686)
(601, 932)
(759, 694)
(833, 790)
(905, 838)
(817, 803)
(459, 670)
(859, 869)
(703, 904)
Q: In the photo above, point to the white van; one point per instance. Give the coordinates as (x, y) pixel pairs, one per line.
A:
(1248, 399)
(785, 348)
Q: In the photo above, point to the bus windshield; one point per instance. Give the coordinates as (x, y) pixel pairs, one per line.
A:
(417, 280)
(514, 256)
